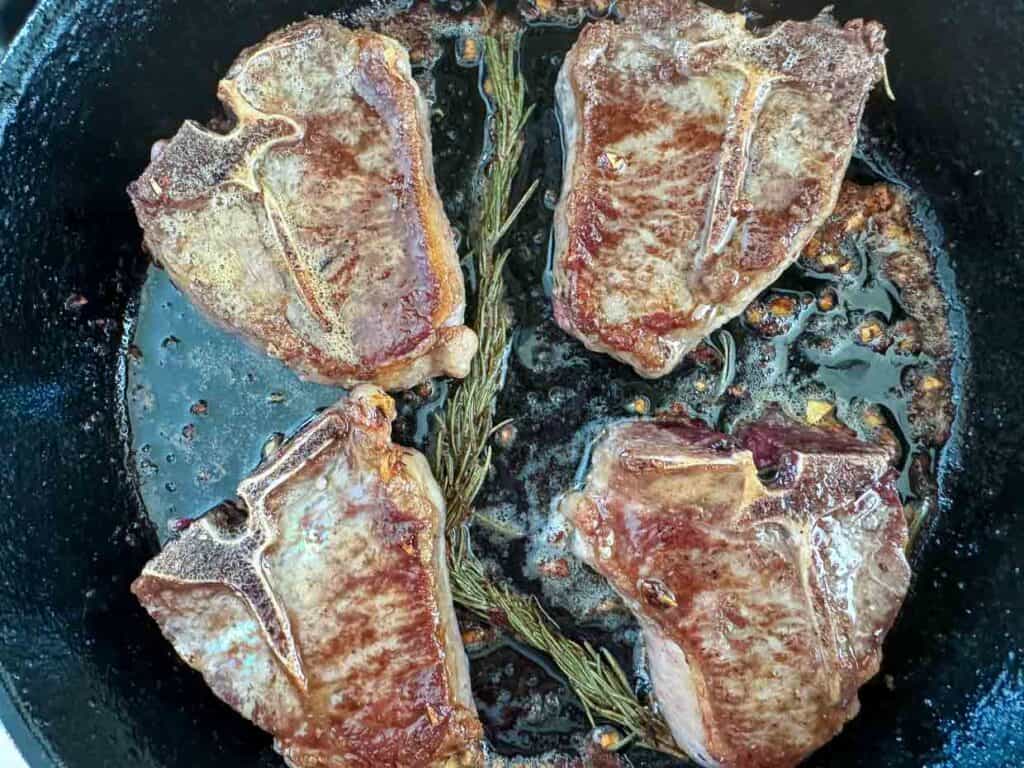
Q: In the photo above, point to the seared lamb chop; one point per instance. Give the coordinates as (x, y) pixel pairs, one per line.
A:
(763, 606)
(324, 613)
(314, 227)
(699, 160)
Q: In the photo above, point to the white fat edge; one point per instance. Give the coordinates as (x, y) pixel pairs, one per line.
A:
(584, 594)
(676, 694)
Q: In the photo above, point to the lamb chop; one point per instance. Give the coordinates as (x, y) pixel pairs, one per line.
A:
(699, 159)
(321, 610)
(314, 227)
(763, 604)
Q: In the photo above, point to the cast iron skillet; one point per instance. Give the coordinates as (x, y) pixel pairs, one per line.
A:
(86, 678)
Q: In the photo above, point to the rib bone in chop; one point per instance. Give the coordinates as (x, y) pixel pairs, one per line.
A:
(763, 606)
(325, 615)
(699, 159)
(314, 227)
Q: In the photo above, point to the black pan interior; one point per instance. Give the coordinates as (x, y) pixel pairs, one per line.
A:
(86, 90)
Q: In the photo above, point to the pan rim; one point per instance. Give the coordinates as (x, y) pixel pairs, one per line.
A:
(26, 53)
(29, 51)
(30, 745)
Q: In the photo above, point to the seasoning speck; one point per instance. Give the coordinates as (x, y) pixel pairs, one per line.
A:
(827, 300)
(469, 51)
(782, 306)
(271, 445)
(505, 435)
(179, 524)
(639, 405)
(606, 737)
(818, 410)
(75, 302)
(432, 715)
(557, 568)
(656, 594)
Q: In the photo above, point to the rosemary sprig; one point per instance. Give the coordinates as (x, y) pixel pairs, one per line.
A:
(593, 674)
(463, 455)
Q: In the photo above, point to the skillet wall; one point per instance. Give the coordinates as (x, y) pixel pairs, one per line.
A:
(89, 86)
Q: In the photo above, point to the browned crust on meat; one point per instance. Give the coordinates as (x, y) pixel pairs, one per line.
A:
(385, 681)
(661, 244)
(414, 144)
(435, 341)
(749, 582)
